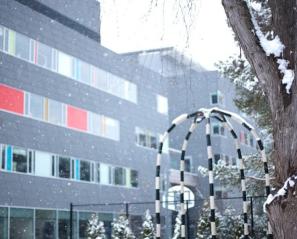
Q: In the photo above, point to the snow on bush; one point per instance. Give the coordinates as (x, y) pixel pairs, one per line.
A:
(121, 229)
(177, 226)
(95, 228)
(147, 227)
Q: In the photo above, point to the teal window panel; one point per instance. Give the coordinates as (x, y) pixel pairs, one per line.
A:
(9, 157)
(77, 169)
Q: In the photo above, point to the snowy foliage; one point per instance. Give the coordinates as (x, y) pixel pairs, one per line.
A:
(229, 224)
(147, 227)
(229, 175)
(248, 91)
(177, 227)
(121, 229)
(96, 228)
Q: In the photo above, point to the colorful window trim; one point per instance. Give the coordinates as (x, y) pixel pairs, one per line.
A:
(13, 100)
(59, 62)
(126, 176)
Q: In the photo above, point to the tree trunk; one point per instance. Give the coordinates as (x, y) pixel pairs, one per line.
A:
(282, 212)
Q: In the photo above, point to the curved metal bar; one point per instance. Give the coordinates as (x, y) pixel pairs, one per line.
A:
(182, 170)
(210, 180)
(177, 121)
(227, 125)
(251, 129)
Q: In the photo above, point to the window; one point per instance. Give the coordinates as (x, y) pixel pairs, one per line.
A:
(146, 138)
(64, 167)
(119, 176)
(11, 99)
(44, 164)
(99, 79)
(134, 178)
(84, 218)
(188, 164)
(217, 157)
(44, 55)
(111, 128)
(45, 224)
(4, 223)
(1, 38)
(21, 223)
(34, 106)
(64, 225)
(56, 112)
(162, 104)
(22, 46)
(218, 129)
(217, 98)
(105, 174)
(10, 44)
(130, 92)
(94, 123)
(82, 71)
(3, 157)
(19, 160)
(85, 171)
(246, 140)
(65, 64)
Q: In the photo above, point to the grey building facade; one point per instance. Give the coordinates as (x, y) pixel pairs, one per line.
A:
(79, 124)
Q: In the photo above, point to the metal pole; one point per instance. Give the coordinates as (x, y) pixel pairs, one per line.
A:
(127, 210)
(252, 216)
(70, 220)
(188, 227)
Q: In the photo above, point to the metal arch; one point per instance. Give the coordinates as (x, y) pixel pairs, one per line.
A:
(206, 113)
(177, 121)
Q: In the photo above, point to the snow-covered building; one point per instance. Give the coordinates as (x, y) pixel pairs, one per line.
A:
(78, 124)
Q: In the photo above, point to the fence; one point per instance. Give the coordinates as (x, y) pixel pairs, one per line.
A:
(134, 211)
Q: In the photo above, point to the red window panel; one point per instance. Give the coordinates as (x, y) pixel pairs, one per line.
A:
(11, 99)
(76, 118)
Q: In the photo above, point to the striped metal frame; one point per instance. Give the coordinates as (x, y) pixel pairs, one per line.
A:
(199, 116)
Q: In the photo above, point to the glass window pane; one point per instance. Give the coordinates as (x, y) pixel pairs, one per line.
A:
(162, 104)
(85, 171)
(111, 128)
(130, 92)
(21, 223)
(84, 218)
(119, 176)
(45, 224)
(35, 106)
(3, 223)
(94, 123)
(153, 142)
(3, 157)
(85, 73)
(43, 164)
(56, 112)
(134, 178)
(10, 44)
(1, 38)
(64, 226)
(19, 160)
(214, 98)
(65, 64)
(44, 55)
(216, 129)
(22, 46)
(99, 79)
(104, 174)
(64, 167)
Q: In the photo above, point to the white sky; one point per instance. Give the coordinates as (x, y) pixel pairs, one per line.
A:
(130, 25)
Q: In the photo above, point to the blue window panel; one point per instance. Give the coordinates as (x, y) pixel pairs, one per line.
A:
(77, 169)
(9, 157)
